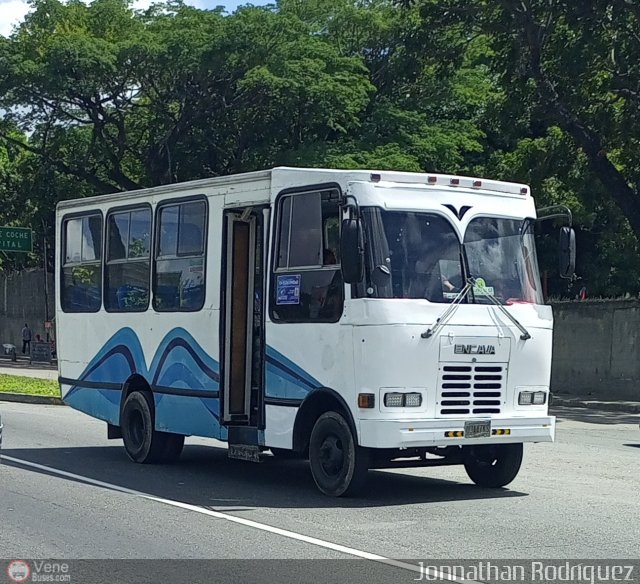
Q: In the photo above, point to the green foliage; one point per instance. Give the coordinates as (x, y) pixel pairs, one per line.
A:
(99, 97)
(28, 385)
(567, 120)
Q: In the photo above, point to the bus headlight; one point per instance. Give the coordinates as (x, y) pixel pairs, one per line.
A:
(412, 400)
(525, 398)
(539, 398)
(402, 400)
(393, 400)
(528, 398)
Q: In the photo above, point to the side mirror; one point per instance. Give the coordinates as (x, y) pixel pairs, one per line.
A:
(352, 251)
(567, 252)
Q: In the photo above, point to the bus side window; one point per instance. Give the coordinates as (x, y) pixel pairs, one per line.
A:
(179, 282)
(127, 262)
(307, 283)
(81, 285)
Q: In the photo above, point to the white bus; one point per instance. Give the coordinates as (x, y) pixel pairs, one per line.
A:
(359, 319)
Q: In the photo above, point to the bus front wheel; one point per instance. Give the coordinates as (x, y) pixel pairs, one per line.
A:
(338, 465)
(284, 454)
(142, 442)
(493, 466)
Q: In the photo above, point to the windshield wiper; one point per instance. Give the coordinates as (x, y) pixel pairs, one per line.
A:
(471, 282)
(449, 311)
(525, 333)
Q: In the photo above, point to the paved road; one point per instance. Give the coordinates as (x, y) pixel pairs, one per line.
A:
(577, 498)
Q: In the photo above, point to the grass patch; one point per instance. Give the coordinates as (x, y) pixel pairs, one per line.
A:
(29, 385)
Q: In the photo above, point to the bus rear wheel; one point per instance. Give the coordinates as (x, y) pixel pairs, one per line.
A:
(142, 442)
(338, 465)
(493, 466)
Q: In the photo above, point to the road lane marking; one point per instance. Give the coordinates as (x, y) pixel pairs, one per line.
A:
(423, 572)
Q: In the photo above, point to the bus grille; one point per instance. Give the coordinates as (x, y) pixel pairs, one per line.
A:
(477, 389)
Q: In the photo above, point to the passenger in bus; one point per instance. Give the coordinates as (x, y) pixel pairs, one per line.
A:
(329, 257)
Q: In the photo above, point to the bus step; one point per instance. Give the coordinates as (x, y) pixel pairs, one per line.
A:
(247, 452)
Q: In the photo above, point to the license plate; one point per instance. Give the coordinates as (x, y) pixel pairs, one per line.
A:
(477, 429)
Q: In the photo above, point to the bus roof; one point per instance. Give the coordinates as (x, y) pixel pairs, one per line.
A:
(291, 174)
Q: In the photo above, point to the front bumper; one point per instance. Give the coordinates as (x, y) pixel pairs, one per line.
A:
(421, 433)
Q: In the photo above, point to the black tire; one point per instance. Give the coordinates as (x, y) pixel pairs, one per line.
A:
(142, 442)
(338, 465)
(493, 466)
(284, 454)
(174, 443)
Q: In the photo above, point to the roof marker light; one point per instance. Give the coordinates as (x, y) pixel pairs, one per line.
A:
(454, 182)
(432, 180)
(524, 191)
(477, 184)
(375, 178)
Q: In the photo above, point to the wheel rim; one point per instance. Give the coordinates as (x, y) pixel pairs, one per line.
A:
(331, 456)
(485, 456)
(136, 428)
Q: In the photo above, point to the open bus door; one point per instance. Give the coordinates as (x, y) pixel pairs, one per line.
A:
(242, 328)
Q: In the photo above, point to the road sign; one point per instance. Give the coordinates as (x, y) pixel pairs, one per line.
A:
(18, 239)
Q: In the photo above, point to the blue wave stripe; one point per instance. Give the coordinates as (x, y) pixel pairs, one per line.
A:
(125, 342)
(290, 369)
(188, 415)
(179, 363)
(101, 404)
(180, 352)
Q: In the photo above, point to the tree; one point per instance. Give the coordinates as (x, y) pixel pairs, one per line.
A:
(417, 119)
(572, 64)
(100, 97)
(123, 100)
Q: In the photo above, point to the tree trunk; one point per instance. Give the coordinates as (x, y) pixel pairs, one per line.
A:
(622, 194)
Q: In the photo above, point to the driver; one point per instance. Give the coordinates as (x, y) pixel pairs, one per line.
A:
(437, 269)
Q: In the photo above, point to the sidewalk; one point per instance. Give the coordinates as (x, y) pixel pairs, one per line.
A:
(588, 402)
(24, 369)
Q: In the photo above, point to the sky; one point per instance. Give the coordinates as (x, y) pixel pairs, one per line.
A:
(13, 11)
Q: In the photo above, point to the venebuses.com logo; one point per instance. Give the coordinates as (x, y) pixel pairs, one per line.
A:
(18, 571)
(38, 571)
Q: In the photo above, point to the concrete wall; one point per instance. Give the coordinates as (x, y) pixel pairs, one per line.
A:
(596, 349)
(22, 299)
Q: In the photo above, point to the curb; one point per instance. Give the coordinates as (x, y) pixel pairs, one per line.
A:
(8, 365)
(31, 399)
(622, 407)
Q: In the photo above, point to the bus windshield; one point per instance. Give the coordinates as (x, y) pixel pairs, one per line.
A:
(411, 255)
(501, 256)
(419, 255)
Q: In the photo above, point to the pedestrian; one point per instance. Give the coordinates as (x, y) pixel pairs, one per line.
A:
(26, 339)
(583, 293)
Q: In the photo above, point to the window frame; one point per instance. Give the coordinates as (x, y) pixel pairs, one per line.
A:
(275, 271)
(538, 289)
(359, 290)
(155, 247)
(63, 264)
(114, 211)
